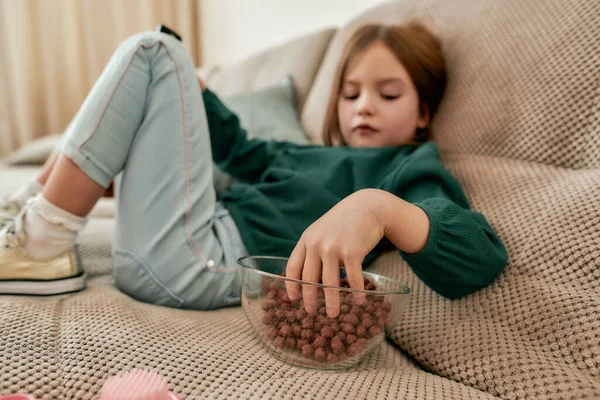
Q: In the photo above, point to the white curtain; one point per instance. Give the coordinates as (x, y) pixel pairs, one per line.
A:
(52, 51)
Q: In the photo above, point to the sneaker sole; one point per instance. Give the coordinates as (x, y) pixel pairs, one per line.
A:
(43, 287)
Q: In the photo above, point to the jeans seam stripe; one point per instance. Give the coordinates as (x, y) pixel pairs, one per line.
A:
(187, 162)
(112, 93)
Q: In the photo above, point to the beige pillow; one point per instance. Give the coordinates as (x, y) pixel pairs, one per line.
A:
(35, 152)
(523, 77)
(300, 58)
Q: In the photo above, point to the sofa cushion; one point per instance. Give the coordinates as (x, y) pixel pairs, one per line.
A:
(299, 57)
(524, 77)
(34, 152)
(64, 348)
(533, 333)
(270, 113)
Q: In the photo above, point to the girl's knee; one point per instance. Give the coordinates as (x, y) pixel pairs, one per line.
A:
(146, 39)
(151, 38)
(142, 38)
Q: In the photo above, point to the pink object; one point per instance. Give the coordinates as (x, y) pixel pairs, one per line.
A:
(16, 397)
(136, 385)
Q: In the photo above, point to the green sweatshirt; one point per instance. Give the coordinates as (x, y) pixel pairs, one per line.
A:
(285, 187)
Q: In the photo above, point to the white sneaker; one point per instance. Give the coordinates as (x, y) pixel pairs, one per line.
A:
(19, 274)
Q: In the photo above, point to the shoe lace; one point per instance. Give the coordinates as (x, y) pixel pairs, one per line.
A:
(8, 232)
(6, 236)
(5, 211)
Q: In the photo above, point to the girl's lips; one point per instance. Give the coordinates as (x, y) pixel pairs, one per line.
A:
(365, 129)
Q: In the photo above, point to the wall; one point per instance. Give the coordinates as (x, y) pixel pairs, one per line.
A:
(234, 29)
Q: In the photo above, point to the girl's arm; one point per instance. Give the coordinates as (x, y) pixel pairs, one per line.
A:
(462, 253)
(424, 212)
(232, 152)
(452, 249)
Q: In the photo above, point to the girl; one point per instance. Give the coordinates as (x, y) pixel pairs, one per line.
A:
(378, 184)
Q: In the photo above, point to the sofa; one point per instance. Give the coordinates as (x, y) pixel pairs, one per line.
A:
(520, 129)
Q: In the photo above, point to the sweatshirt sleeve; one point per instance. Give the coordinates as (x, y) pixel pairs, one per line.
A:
(463, 253)
(243, 158)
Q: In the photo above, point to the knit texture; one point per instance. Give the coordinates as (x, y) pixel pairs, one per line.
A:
(534, 333)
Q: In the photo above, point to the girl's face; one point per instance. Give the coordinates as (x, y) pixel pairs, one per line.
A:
(378, 104)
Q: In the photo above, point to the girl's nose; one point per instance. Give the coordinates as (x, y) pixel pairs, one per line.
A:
(364, 105)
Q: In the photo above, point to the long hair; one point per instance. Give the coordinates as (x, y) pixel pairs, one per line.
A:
(416, 48)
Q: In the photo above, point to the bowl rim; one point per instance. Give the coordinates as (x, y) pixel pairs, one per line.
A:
(406, 289)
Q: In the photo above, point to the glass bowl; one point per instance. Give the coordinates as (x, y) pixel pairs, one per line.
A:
(314, 340)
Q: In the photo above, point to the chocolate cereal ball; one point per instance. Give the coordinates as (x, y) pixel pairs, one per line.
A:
(361, 331)
(296, 330)
(320, 341)
(350, 339)
(285, 330)
(307, 322)
(374, 331)
(327, 332)
(367, 322)
(337, 346)
(320, 354)
(290, 343)
(347, 327)
(307, 350)
(332, 358)
(307, 334)
(279, 342)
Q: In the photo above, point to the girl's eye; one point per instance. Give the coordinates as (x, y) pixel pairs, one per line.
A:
(351, 97)
(389, 97)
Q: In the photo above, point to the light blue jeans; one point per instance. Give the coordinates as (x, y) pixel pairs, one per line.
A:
(145, 118)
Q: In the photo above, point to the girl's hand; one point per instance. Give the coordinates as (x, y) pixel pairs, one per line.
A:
(341, 237)
(201, 83)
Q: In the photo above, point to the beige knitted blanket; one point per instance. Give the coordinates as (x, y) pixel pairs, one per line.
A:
(535, 332)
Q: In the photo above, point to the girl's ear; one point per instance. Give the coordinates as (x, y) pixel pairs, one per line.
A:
(423, 121)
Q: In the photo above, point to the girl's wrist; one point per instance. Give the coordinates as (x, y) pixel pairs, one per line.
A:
(403, 223)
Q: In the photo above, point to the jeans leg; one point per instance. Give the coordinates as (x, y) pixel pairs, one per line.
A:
(145, 118)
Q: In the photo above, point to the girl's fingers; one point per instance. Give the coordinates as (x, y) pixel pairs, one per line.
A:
(331, 277)
(294, 270)
(355, 280)
(311, 273)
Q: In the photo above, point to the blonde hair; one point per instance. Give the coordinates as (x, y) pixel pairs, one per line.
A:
(416, 48)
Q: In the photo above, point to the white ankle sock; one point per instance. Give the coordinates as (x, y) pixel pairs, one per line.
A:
(49, 229)
(26, 191)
